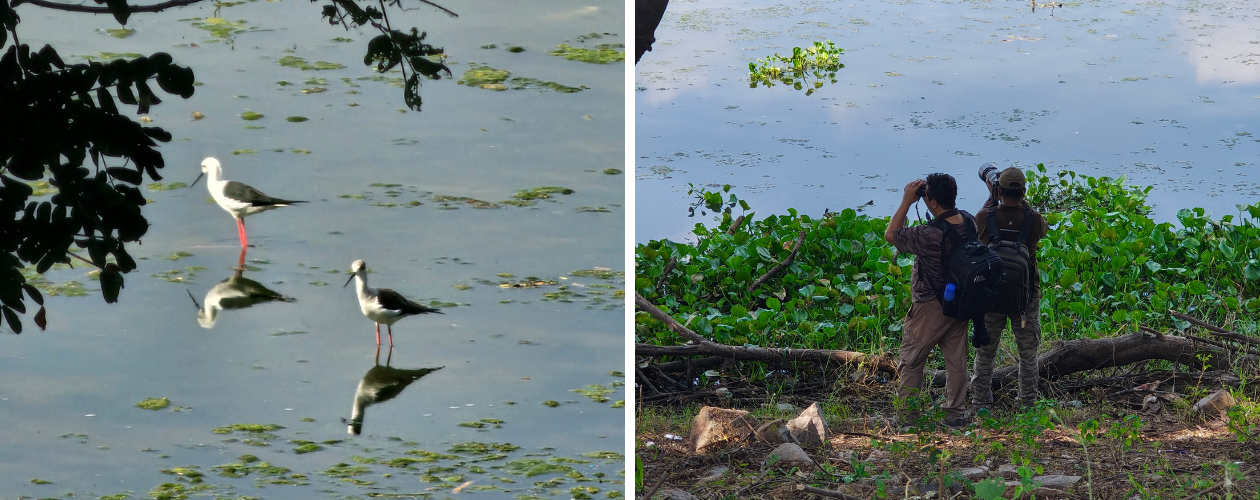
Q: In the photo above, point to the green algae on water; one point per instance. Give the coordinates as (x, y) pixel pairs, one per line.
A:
(480, 76)
(551, 403)
(595, 392)
(540, 193)
(158, 186)
(154, 403)
(251, 116)
(603, 53)
(305, 446)
(519, 83)
(297, 119)
(118, 32)
(299, 63)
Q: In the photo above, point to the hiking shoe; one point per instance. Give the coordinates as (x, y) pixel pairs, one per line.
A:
(957, 423)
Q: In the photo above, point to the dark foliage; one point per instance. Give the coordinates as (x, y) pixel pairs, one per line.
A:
(54, 116)
(392, 46)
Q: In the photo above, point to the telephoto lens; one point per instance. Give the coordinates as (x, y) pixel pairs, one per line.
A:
(989, 173)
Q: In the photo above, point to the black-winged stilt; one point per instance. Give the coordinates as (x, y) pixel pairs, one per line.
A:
(382, 305)
(380, 384)
(239, 199)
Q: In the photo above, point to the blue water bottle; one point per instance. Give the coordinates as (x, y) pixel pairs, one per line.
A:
(949, 291)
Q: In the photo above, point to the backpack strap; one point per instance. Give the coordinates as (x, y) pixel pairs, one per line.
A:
(939, 222)
(1026, 229)
(991, 221)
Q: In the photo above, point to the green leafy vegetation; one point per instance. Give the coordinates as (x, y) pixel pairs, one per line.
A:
(807, 68)
(1105, 265)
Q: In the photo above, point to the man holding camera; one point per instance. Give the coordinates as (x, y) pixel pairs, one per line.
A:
(1012, 228)
(925, 325)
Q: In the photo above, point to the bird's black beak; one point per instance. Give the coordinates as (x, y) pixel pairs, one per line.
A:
(194, 182)
(194, 299)
(348, 281)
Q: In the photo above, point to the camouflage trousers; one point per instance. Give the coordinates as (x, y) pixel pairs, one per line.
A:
(1027, 339)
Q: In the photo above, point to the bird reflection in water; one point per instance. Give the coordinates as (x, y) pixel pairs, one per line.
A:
(381, 384)
(236, 292)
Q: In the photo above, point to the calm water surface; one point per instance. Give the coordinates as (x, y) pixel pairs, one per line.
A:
(376, 178)
(1166, 93)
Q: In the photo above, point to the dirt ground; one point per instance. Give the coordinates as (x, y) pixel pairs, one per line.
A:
(1171, 454)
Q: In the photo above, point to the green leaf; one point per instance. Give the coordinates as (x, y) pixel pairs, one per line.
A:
(773, 303)
(739, 311)
(991, 489)
(1109, 279)
(1153, 266)
(847, 309)
(1196, 287)
(765, 254)
(1252, 271)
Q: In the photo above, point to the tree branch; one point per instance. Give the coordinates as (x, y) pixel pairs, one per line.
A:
(706, 346)
(157, 7)
(779, 268)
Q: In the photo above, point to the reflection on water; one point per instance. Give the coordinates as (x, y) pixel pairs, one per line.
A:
(381, 384)
(236, 292)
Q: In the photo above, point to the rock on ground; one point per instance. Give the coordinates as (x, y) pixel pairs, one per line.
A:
(809, 428)
(1215, 403)
(714, 426)
(789, 455)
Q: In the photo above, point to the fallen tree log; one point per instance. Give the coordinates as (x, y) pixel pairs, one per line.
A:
(703, 346)
(1074, 356)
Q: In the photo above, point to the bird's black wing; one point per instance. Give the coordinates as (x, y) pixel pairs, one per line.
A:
(394, 301)
(246, 193)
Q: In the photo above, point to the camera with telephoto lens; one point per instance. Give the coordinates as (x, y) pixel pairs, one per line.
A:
(989, 174)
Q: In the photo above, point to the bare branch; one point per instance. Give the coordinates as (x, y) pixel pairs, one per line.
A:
(157, 7)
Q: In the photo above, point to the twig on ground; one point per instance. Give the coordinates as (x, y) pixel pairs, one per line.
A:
(1204, 492)
(638, 374)
(652, 491)
(735, 225)
(826, 493)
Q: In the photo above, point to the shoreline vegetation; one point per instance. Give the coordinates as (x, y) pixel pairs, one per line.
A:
(1181, 300)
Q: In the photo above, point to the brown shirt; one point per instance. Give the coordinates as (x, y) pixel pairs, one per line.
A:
(1009, 221)
(925, 242)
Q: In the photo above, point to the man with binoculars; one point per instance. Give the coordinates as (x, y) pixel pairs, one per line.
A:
(926, 325)
(1010, 226)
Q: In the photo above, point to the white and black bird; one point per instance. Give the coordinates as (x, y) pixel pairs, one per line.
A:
(239, 199)
(380, 384)
(382, 305)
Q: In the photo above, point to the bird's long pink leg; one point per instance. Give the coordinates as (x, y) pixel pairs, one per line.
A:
(390, 329)
(378, 334)
(240, 229)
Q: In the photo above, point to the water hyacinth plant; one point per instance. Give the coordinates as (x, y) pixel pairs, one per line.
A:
(1105, 266)
(807, 68)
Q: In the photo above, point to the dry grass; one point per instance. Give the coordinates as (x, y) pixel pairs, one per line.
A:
(1172, 454)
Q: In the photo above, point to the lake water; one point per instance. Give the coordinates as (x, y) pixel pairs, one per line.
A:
(1165, 93)
(501, 412)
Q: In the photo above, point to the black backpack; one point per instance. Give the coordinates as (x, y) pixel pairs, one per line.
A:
(974, 270)
(1016, 282)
